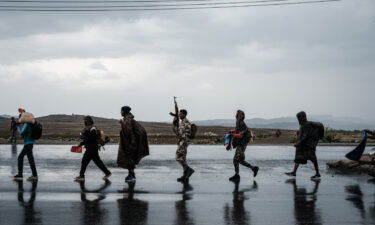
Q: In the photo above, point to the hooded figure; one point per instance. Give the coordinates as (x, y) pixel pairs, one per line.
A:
(308, 137)
(133, 144)
(241, 138)
(307, 140)
(243, 133)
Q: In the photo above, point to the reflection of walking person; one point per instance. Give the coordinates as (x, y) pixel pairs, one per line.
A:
(183, 215)
(92, 213)
(237, 214)
(241, 138)
(305, 204)
(28, 141)
(131, 210)
(31, 216)
(307, 140)
(90, 141)
(355, 195)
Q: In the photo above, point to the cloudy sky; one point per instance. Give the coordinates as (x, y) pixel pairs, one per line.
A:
(269, 61)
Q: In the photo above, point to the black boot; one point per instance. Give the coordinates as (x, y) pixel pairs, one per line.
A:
(255, 170)
(189, 172)
(182, 179)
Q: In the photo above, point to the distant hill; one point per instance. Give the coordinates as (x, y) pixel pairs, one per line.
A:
(284, 123)
(291, 123)
(64, 129)
(5, 116)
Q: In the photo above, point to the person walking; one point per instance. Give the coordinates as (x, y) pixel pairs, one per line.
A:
(133, 144)
(183, 132)
(26, 132)
(241, 137)
(307, 140)
(90, 141)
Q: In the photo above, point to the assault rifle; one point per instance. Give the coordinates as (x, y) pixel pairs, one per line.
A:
(175, 115)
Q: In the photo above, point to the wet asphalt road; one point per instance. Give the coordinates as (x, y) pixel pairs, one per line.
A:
(209, 198)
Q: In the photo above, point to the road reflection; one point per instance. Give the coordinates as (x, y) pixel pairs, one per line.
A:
(236, 213)
(31, 215)
(14, 169)
(183, 215)
(92, 212)
(305, 210)
(355, 196)
(132, 210)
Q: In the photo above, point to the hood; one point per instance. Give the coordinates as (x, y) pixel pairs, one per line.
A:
(302, 118)
(240, 115)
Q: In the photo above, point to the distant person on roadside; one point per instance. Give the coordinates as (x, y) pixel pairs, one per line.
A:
(278, 133)
(133, 144)
(90, 137)
(183, 132)
(25, 131)
(307, 140)
(13, 129)
(241, 137)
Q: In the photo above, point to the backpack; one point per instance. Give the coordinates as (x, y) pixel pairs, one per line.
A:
(36, 130)
(319, 129)
(102, 138)
(139, 130)
(193, 131)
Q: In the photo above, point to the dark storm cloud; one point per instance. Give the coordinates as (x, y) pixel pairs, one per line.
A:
(271, 61)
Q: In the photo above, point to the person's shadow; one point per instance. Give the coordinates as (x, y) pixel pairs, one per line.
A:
(31, 216)
(132, 210)
(183, 216)
(92, 213)
(237, 214)
(305, 210)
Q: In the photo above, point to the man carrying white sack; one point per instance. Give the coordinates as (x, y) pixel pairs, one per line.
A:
(24, 129)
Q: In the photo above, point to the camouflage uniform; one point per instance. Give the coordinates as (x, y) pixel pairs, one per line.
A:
(241, 143)
(183, 133)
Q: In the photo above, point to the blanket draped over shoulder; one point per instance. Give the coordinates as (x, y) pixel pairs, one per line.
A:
(133, 144)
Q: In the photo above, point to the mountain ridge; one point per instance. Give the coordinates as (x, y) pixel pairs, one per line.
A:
(283, 123)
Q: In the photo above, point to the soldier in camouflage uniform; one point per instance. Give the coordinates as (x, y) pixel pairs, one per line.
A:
(241, 137)
(307, 141)
(183, 132)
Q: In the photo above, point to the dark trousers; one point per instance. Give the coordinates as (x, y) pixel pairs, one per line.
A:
(14, 133)
(92, 154)
(28, 151)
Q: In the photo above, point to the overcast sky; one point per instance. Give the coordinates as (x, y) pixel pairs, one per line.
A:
(268, 61)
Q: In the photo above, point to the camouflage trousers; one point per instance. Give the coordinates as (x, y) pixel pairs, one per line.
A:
(239, 158)
(182, 152)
